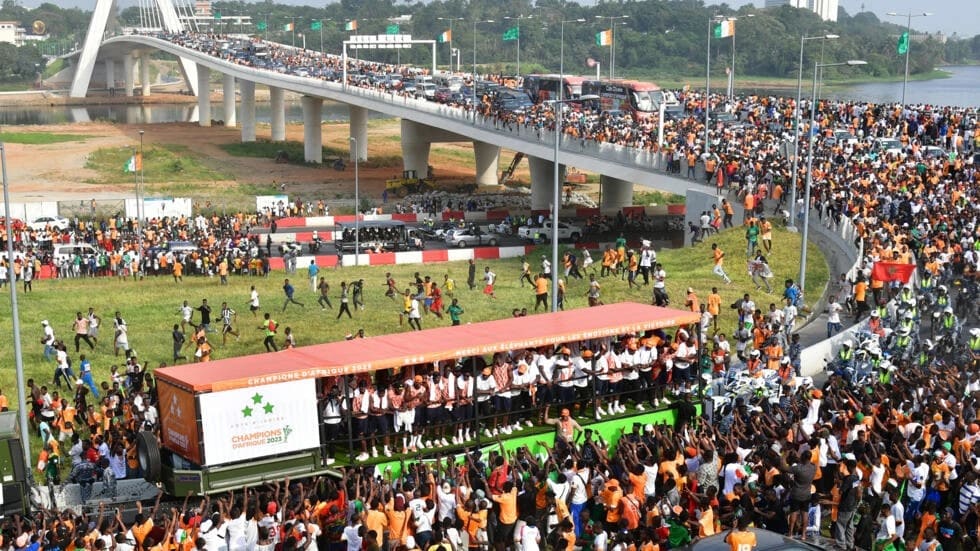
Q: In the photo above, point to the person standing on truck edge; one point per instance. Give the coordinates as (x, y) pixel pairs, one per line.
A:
(471, 275)
(314, 270)
(270, 326)
(288, 290)
(455, 311)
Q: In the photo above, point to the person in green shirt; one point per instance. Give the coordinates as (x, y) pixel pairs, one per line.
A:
(455, 310)
(751, 238)
(679, 534)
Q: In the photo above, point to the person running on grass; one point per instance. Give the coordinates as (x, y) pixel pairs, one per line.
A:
(718, 256)
(227, 316)
(288, 290)
(344, 301)
(324, 298)
(269, 326)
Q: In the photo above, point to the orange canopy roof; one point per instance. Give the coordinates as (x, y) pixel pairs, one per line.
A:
(444, 343)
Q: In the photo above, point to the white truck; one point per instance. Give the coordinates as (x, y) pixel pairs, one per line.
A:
(565, 231)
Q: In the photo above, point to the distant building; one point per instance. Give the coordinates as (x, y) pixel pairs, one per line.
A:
(12, 33)
(202, 8)
(826, 9)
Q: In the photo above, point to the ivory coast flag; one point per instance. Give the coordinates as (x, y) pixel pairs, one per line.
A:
(604, 38)
(446, 36)
(725, 29)
(134, 163)
(289, 27)
(351, 25)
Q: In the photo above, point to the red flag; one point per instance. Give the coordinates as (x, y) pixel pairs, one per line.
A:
(892, 271)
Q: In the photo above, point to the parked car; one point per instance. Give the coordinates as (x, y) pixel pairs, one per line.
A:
(933, 151)
(886, 146)
(464, 237)
(565, 231)
(55, 222)
(177, 247)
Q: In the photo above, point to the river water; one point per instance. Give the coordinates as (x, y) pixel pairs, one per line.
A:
(959, 89)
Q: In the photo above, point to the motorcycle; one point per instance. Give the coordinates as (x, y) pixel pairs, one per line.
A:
(315, 245)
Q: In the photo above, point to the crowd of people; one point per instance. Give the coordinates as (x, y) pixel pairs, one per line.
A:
(885, 461)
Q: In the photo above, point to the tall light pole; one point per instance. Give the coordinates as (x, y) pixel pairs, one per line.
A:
(320, 28)
(556, 197)
(612, 47)
(561, 64)
(796, 131)
(15, 313)
(139, 209)
(518, 19)
(357, 200)
(908, 48)
(475, 23)
(809, 165)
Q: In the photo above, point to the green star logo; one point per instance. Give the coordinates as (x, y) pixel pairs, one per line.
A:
(268, 407)
(247, 412)
(257, 399)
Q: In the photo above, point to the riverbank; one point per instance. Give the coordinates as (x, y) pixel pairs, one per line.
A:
(60, 98)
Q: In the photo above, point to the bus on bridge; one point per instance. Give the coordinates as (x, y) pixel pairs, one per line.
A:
(542, 88)
(633, 97)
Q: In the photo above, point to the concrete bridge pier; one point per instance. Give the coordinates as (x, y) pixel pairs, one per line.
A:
(145, 74)
(358, 131)
(312, 131)
(487, 156)
(203, 95)
(128, 74)
(228, 100)
(247, 89)
(415, 147)
(110, 73)
(616, 193)
(543, 182)
(278, 108)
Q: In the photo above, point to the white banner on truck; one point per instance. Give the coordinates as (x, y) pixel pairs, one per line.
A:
(259, 421)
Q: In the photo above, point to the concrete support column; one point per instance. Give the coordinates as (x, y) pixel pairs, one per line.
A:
(203, 95)
(312, 136)
(616, 193)
(228, 100)
(128, 73)
(358, 131)
(487, 155)
(415, 147)
(278, 108)
(145, 73)
(247, 89)
(543, 182)
(110, 73)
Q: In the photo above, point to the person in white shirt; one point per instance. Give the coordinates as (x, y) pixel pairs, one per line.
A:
(887, 531)
(527, 537)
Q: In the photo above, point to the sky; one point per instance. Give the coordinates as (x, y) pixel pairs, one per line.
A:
(949, 16)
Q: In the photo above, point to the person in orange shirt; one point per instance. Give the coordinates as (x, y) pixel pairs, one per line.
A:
(740, 538)
(692, 301)
(714, 305)
(610, 497)
(507, 518)
(718, 256)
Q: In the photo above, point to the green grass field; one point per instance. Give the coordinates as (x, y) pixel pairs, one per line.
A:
(150, 307)
(161, 164)
(265, 149)
(39, 138)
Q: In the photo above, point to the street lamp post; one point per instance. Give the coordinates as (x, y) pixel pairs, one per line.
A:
(908, 32)
(561, 62)
(796, 131)
(15, 311)
(139, 209)
(612, 47)
(357, 201)
(707, 86)
(321, 31)
(809, 166)
(518, 19)
(475, 23)
(556, 197)
(731, 91)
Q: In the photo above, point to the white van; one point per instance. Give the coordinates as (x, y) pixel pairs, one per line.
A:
(64, 252)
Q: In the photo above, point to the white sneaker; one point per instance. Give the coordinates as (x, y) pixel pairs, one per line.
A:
(600, 412)
(495, 432)
(363, 456)
(428, 444)
(455, 440)
(656, 402)
(622, 408)
(444, 442)
(467, 436)
(665, 401)
(387, 451)
(517, 427)
(374, 452)
(639, 407)
(331, 461)
(530, 424)
(489, 433)
(505, 430)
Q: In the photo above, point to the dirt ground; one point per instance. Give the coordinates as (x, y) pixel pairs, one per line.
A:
(57, 171)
